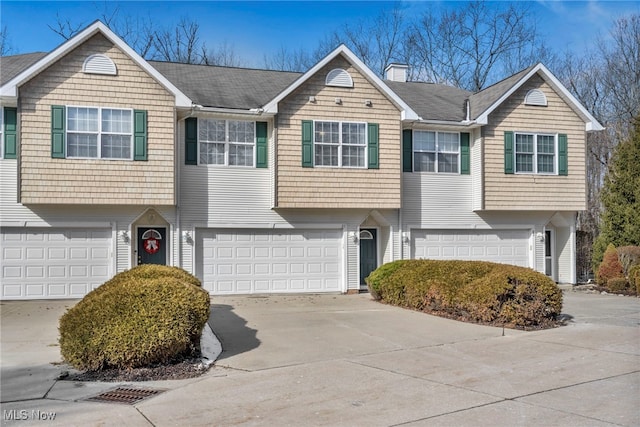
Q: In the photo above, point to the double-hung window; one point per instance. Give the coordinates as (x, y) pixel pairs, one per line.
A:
(340, 144)
(436, 151)
(535, 153)
(103, 133)
(226, 142)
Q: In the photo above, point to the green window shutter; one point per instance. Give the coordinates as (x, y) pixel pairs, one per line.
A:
(563, 160)
(407, 150)
(307, 144)
(373, 145)
(57, 132)
(465, 155)
(191, 141)
(10, 133)
(139, 135)
(262, 139)
(508, 152)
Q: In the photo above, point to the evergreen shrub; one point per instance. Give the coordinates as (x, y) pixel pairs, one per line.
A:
(473, 291)
(634, 278)
(146, 316)
(610, 267)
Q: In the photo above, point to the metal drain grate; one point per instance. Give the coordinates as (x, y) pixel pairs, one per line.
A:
(129, 396)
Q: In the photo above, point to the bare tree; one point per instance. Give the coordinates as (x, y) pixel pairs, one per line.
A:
(622, 70)
(471, 47)
(224, 55)
(65, 28)
(377, 43)
(179, 44)
(5, 44)
(289, 60)
(607, 82)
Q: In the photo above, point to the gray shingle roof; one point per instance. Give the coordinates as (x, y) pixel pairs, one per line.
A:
(11, 66)
(432, 101)
(226, 87)
(482, 100)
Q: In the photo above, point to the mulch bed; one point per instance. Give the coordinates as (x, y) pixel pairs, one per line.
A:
(188, 368)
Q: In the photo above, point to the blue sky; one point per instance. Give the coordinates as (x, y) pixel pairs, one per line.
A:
(254, 29)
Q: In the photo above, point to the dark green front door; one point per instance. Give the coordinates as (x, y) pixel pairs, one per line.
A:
(368, 253)
(152, 245)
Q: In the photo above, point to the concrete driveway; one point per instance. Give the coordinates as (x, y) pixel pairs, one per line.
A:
(346, 360)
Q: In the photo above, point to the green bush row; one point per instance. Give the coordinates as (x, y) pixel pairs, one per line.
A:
(144, 316)
(475, 291)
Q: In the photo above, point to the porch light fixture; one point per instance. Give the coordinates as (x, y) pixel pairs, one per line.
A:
(353, 236)
(540, 236)
(312, 99)
(125, 236)
(186, 236)
(368, 103)
(339, 101)
(405, 237)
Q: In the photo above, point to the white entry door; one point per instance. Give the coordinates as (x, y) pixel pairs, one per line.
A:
(242, 261)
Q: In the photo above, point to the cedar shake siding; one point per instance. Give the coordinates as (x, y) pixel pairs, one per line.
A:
(45, 179)
(337, 187)
(503, 191)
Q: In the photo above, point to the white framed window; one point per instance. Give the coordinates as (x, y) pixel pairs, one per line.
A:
(101, 133)
(1, 132)
(535, 153)
(340, 144)
(436, 151)
(226, 142)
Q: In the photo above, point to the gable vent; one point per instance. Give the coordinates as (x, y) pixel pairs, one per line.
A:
(339, 77)
(99, 64)
(535, 97)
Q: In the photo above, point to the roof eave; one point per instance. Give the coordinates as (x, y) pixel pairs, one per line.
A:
(10, 88)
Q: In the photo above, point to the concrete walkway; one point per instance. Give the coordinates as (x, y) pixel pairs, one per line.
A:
(346, 360)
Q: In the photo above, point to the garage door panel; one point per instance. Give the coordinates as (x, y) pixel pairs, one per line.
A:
(504, 246)
(250, 261)
(54, 263)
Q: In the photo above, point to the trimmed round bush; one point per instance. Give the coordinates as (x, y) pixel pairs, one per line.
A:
(138, 318)
(473, 291)
(617, 284)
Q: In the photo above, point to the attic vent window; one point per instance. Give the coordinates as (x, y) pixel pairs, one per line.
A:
(535, 97)
(99, 64)
(339, 77)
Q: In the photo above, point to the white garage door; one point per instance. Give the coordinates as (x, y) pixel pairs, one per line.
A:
(269, 261)
(42, 263)
(503, 246)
